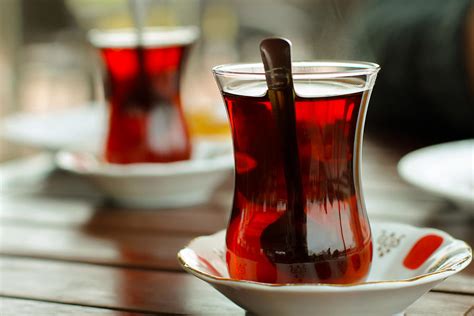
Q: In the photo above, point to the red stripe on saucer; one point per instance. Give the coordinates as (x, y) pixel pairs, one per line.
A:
(421, 251)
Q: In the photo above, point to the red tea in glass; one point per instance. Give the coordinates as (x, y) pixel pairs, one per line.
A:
(330, 106)
(146, 121)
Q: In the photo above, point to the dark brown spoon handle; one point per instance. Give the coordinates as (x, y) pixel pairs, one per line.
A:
(276, 57)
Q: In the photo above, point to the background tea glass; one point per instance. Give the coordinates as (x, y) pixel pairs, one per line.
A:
(330, 104)
(146, 121)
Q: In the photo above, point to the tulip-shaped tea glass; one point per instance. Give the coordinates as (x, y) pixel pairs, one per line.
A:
(331, 99)
(142, 77)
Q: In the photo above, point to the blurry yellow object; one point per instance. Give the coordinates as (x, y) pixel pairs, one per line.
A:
(208, 125)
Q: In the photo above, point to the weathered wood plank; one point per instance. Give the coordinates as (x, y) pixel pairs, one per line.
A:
(443, 305)
(150, 291)
(460, 283)
(107, 287)
(99, 246)
(14, 307)
(203, 219)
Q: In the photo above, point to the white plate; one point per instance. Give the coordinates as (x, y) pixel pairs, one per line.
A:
(156, 185)
(446, 170)
(390, 288)
(79, 128)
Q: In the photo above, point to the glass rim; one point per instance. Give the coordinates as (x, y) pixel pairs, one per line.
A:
(153, 36)
(349, 68)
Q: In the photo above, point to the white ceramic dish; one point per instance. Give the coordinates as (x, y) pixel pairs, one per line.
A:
(156, 185)
(79, 128)
(446, 170)
(390, 288)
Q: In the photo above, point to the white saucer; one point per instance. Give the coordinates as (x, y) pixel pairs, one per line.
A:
(446, 170)
(390, 288)
(79, 128)
(156, 185)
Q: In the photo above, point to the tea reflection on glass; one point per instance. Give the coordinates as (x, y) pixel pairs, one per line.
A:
(330, 106)
(146, 121)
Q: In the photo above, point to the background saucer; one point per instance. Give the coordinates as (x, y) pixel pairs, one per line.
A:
(76, 128)
(156, 185)
(445, 170)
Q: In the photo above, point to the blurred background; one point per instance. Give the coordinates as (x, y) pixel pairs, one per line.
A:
(47, 64)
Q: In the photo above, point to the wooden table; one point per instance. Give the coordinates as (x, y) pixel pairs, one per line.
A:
(63, 251)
